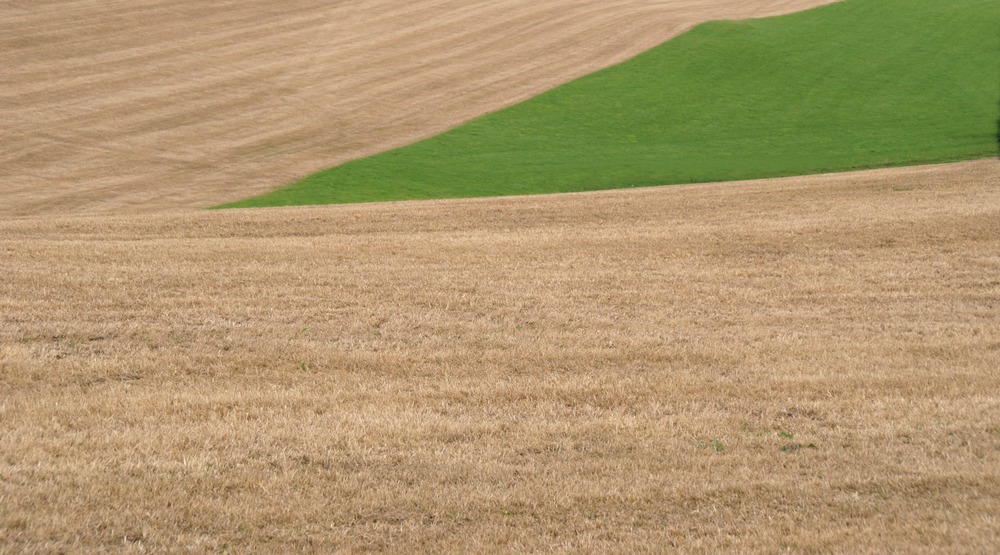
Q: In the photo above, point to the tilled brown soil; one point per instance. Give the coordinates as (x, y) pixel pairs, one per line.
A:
(803, 365)
(119, 105)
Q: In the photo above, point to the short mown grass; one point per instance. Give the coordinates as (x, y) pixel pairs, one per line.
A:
(857, 84)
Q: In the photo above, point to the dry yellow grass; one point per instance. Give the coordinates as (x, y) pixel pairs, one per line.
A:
(800, 364)
(808, 364)
(120, 105)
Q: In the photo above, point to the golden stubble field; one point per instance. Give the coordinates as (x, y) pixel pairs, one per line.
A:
(112, 105)
(804, 364)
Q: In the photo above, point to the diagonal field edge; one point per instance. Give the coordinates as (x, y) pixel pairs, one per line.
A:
(857, 84)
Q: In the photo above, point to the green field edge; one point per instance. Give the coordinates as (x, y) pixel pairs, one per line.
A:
(248, 203)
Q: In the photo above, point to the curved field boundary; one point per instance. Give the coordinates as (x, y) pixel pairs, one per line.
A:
(858, 84)
(112, 105)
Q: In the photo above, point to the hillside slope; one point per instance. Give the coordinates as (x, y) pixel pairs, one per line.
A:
(165, 104)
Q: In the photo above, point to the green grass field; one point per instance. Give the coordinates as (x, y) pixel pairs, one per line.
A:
(857, 84)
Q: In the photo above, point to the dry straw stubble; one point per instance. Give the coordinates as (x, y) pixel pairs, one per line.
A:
(806, 363)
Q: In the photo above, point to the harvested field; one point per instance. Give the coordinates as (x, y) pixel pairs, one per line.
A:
(145, 106)
(798, 364)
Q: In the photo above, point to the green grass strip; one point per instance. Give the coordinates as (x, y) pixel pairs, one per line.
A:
(857, 84)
